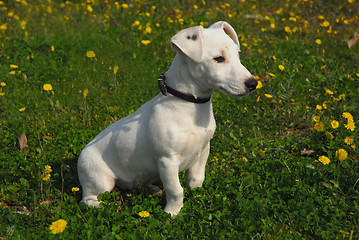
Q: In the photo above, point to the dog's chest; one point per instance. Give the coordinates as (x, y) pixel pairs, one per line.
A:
(195, 145)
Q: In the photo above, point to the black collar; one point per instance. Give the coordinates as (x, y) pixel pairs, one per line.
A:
(187, 97)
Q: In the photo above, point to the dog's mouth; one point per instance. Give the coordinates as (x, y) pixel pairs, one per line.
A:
(233, 90)
(234, 94)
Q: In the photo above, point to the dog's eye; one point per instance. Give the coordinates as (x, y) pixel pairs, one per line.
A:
(219, 59)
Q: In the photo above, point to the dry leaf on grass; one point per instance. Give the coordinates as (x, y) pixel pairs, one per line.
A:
(22, 141)
(352, 41)
(47, 137)
(45, 202)
(18, 209)
(21, 210)
(306, 152)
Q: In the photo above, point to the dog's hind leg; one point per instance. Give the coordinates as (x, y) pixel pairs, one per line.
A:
(91, 188)
(94, 178)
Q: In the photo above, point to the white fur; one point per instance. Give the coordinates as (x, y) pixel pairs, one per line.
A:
(168, 135)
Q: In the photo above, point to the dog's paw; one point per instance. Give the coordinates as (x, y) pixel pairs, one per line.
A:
(174, 215)
(191, 184)
(173, 211)
(91, 203)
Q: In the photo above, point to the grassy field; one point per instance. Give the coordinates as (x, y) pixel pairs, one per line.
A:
(284, 160)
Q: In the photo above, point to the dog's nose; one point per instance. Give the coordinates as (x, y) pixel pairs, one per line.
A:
(251, 84)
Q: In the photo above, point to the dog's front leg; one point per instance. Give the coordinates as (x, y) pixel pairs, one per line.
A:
(168, 169)
(196, 173)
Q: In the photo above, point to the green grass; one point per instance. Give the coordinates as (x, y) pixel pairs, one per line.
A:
(259, 182)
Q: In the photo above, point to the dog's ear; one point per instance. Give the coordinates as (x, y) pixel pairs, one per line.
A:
(189, 42)
(228, 29)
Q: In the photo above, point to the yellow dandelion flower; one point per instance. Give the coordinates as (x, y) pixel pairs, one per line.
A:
(13, 66)
(316, 118)
(144, 214)
(287, 30)
(46, 173)
(46, 176)
(90, 54)
(324, 160)
(319, 126)
(22, 109)
(335, 124)
(325, 24)
(2, 94)
(89, 8)
(259, 85)
(329, 135)
(86, 91)
(75, 189)
(341, 154)
(148, 28)
(350, 126)
(244, 159)
(115, 69)
(3, 84)
(271, 74)
(58, 226)
(348, 140)
(329, 91)
(3, 27)
(318, 41)
(318, 107)
(268, 96)
(52, 48)
(347, 115)
(281, 67)
(124, 5)
(145, 42)
(47, 87)
(23, 24)
(48, 168)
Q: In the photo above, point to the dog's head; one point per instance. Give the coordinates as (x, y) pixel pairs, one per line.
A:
(213, 57)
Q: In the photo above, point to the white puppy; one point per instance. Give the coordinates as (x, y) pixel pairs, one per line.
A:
(171, 132)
